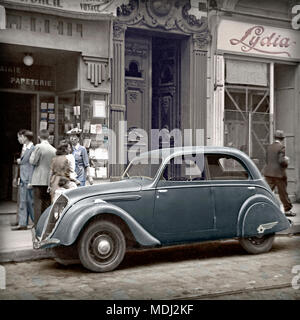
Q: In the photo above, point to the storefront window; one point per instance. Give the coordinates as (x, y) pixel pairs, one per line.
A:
(247, 108)
(247, 121)
(95, 133)
(88, 112)
(47, 115)
(68, 114)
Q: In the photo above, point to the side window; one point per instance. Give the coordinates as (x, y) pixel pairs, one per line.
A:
(224, 167)
(185, 168)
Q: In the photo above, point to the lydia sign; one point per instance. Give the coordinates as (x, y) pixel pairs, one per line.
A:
(258, 39)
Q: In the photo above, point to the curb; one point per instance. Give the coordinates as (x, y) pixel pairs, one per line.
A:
(25, 255)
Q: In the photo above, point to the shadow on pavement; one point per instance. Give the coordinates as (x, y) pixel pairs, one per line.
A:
(202, 251)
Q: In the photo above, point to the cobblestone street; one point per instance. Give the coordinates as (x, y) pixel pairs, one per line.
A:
(218, 270)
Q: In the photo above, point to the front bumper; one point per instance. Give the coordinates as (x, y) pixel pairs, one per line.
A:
(41, 244)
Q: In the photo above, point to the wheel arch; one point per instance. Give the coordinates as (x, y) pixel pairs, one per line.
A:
(74, 223)
(259, 215)
(130, 238)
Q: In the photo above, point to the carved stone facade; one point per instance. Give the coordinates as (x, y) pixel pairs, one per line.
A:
(152, 88)
(98, 70)
(167, 15)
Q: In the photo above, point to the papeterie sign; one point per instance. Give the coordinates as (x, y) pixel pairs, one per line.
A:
(26, 78)
(83, 6)
(258, 39)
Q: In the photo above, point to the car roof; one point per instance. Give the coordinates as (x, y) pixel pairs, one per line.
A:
(166, 152)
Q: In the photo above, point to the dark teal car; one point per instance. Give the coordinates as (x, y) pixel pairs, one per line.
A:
(165, 197)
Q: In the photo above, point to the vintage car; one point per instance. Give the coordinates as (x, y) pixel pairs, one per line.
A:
(165, 197)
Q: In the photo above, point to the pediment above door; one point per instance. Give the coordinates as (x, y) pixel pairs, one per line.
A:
(164, 15)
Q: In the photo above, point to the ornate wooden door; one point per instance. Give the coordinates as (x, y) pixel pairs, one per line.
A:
(138, 81)
(166, 91)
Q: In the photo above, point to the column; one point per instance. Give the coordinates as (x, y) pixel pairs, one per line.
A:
(117, 107)
(198, 87)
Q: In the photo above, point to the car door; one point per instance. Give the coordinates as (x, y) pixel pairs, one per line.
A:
(184, 208)
(231, 185)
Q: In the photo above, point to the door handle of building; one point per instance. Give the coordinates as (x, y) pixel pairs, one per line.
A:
(162, 190)
(251, 188)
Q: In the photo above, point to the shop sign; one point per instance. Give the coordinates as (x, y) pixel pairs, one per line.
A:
(34, 78)
(258, 39)
(82, 6)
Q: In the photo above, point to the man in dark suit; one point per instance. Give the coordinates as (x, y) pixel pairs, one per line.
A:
(275, 170)
(17, 175)
(25, 196)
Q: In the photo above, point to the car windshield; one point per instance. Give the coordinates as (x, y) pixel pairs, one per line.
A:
(144, 167)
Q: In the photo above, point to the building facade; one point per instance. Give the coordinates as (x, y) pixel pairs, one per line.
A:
(55, 71)
(93, 65)
(110, 67)
(255, 55)
(159, 78)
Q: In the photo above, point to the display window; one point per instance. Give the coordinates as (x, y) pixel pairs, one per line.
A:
(95, 121)
(88, 112)
(47, 115)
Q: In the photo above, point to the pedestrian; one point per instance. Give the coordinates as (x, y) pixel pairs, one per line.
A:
(41, 158)
(82, 167)
(25, 208)
(71, 160)
(16, 180)
(61, 173)
(275, 170)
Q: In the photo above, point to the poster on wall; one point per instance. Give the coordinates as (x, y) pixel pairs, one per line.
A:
(99, 109)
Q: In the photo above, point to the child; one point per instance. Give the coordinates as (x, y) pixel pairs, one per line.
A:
(63, 185)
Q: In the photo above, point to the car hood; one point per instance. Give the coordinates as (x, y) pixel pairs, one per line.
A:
(103, 188)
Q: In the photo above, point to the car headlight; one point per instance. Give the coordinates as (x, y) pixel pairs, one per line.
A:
(58, 207)
(56, 211)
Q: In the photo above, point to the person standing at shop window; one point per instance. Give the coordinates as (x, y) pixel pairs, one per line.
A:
(41, 158)
(82, 167)
(25, 208)
(275, 170)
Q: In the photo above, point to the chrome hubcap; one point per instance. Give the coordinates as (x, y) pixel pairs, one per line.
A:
(104, 246)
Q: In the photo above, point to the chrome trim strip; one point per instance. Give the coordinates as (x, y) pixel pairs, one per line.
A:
(206, 185)
(130, 197)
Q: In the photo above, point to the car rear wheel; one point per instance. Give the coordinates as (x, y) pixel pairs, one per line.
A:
(258, 244)
(102, 246)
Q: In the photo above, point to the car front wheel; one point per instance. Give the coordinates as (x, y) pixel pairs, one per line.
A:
(257, 244)
(102, 246)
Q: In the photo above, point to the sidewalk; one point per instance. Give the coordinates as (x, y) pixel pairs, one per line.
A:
(16, 246)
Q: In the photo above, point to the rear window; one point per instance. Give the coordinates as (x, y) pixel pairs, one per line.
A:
(225, 167)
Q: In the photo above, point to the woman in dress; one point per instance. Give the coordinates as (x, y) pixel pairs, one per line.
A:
(62, 171)
(82, 167)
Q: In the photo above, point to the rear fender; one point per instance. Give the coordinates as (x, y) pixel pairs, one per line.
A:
(74, 221)
(258, 216)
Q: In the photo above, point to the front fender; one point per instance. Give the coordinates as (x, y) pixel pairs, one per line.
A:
(75, 219)
(259, 215)
(42, 220)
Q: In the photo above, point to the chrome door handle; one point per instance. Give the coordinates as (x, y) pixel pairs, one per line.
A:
(251, 188)
(162, 190)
